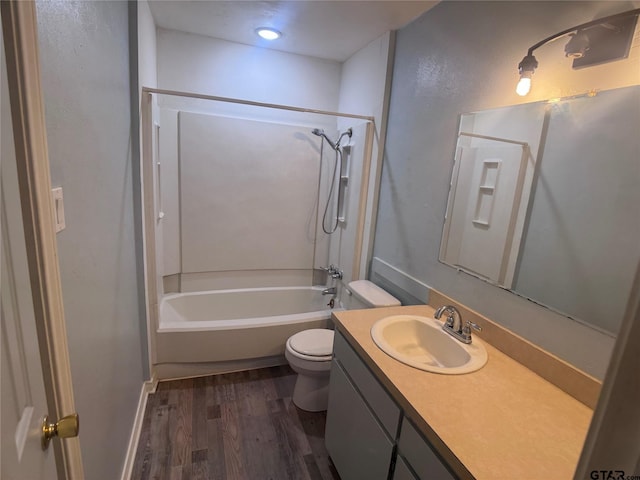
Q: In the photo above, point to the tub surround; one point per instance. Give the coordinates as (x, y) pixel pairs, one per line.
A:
(503, 421)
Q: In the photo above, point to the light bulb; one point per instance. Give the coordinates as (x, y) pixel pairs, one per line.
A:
(526, 68)
(268, 33)
(524, 85)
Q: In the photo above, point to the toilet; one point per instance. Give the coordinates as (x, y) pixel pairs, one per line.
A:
(309, 352)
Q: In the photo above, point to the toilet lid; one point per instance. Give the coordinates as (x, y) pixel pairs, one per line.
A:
(317, 342)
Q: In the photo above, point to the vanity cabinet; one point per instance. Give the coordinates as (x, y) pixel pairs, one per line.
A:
(362, 419)
(415, 452)
(363, 427)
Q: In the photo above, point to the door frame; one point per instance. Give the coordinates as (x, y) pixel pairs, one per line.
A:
(30, 137)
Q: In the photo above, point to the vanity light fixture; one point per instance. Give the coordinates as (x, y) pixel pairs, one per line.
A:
(578, 46)
(268, 33)
(598, 41)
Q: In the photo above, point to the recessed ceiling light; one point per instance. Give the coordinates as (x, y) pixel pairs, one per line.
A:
(268, 33)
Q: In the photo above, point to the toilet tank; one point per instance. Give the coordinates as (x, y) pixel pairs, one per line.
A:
(365, 294)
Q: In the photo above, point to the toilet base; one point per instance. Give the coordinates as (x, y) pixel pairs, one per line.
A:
(311, 393)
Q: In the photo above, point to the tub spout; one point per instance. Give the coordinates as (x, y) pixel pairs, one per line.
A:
(329, 291)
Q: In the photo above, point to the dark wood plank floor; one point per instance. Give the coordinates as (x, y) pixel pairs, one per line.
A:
(237, 426)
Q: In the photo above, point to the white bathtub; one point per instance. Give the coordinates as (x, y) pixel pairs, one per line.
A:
(225, 330)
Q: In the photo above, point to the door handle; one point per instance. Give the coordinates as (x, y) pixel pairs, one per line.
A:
(64, 428)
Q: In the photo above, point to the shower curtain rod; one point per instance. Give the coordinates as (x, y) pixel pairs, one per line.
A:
(255, 104)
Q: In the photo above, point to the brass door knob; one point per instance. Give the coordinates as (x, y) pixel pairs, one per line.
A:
(64, 428)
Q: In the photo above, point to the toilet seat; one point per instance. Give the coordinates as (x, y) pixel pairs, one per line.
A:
(315, 345)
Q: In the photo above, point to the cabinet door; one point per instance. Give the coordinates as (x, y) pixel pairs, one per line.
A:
(419, 454)
(357, 444)
(379, 401)
(402, 472)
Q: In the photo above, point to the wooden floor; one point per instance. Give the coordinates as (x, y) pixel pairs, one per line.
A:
(234, 426)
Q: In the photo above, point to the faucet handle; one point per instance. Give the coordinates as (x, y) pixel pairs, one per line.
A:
(468, 325)
(465, 334)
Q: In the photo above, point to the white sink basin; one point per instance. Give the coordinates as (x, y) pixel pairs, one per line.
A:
(421, 343)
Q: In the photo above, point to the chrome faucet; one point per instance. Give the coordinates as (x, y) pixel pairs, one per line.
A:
(333, 271)
(329, 291)
(454, 319)
(454, 326)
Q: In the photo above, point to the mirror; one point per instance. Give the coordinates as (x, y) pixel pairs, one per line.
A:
(544, 202)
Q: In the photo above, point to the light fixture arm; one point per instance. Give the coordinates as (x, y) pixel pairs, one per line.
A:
(583, 26)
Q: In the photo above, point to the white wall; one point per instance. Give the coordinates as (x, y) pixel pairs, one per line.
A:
(147, 48)
(462, 57)
(84, 55)
(199, 64)
(364, 79)
(364, 90)
(360, 85)
(195, 63)
(147, 76)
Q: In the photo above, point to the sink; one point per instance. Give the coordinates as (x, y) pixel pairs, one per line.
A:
(421, 343)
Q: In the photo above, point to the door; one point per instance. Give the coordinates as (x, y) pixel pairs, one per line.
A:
(23, 399)
(35, 376)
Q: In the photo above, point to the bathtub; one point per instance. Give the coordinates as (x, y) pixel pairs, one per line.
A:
(227, 330)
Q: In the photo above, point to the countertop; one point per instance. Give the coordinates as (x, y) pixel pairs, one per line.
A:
(501, 422)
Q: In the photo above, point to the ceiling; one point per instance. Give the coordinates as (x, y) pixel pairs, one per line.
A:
(333, 29)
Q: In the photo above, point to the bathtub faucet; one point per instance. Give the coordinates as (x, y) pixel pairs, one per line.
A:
(329, 291)
(333, 271)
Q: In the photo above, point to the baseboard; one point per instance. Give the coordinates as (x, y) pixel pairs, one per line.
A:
(147, 387)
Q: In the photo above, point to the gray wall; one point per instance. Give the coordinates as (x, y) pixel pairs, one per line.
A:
(462, 57)
(84, 54)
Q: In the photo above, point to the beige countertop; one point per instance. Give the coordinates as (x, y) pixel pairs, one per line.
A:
(501, 422)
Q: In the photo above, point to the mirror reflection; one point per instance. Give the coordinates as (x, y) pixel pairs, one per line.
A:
(544, 202)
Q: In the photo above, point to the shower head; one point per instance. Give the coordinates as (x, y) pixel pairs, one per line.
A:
(320, 132)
